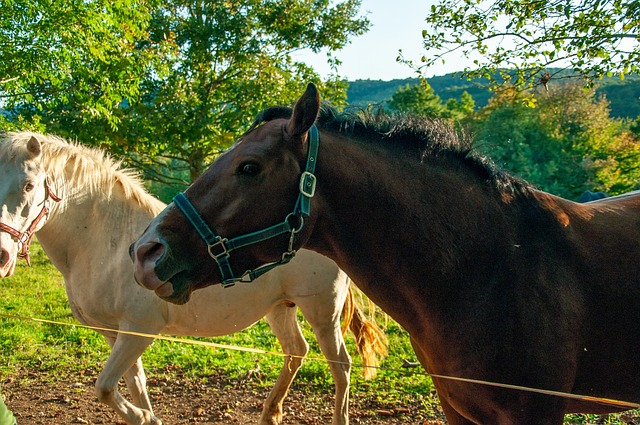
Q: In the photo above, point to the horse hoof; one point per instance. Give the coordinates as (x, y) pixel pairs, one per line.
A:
(150, 418)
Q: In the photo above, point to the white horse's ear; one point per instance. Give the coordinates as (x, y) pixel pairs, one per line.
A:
(34, 147)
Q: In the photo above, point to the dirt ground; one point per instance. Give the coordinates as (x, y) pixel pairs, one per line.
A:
(37, 398)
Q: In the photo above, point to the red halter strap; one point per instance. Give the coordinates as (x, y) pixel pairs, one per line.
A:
(24, 238)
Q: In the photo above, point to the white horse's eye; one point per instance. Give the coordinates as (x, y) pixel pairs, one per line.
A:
(29, 187)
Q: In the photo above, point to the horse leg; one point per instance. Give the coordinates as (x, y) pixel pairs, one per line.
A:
(125, 354)
(535, 410)
(452, 415)
(326, 327)
(533, 413)
(136, 382)
(284, 324)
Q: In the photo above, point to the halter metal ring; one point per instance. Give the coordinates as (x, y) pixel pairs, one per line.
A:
(298, 217)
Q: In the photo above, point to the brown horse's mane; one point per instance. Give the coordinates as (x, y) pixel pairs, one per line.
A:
(417, 136)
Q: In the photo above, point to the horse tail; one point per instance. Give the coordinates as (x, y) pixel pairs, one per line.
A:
(371, 341)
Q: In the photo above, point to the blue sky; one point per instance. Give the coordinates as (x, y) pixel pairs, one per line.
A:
(395, 25)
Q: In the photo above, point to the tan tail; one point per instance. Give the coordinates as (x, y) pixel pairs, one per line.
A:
(371, 341)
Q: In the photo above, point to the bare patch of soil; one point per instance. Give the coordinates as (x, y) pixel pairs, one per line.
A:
(38, 398)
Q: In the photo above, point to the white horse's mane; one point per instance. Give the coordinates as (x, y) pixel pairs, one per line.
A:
(93, 169)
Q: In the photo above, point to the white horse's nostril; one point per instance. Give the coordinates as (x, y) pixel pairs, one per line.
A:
(4, 257)
(7, 263)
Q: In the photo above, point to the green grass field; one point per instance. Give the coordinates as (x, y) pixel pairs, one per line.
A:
(38, 292)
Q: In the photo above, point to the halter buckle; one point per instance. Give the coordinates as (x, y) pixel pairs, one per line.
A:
(308, 184)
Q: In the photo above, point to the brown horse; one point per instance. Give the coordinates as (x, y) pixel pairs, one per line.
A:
(492, 279)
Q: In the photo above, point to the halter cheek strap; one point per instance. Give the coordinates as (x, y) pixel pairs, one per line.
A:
(220, 248)
(24, 238)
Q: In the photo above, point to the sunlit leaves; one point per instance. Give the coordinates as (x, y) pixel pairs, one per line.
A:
(54, 53)
(417, 99)
(166, 83)
(594, 38)
(566, 144)
(233, 59)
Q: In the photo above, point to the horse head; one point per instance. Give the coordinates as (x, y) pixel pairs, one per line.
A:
(248, 210)
(24, 195)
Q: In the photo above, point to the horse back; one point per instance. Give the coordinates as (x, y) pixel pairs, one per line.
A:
(603, 254)
(609, 228)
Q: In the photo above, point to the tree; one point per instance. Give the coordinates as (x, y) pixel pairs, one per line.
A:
(215, 65)
(421, 99)
(85, 55)
(591, 37)
(232, 59)
(417, 99)
(462, 109)
(565, 145)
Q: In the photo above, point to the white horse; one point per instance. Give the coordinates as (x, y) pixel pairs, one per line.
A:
(87, 211)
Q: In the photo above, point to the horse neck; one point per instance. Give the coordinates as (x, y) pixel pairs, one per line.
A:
(400, 228)
(89, 222)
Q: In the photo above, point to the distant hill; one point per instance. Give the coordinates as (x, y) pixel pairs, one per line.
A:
(624, 95)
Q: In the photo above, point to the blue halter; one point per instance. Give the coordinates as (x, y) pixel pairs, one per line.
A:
(220, 248)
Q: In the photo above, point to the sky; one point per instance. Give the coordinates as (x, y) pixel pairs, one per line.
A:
(395, 25)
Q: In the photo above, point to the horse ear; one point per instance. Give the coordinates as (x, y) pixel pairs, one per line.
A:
(305, 112)
(34, 147)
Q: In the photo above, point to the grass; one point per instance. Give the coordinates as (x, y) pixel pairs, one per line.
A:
(38, 292)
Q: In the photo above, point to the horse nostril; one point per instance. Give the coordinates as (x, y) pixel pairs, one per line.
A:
(4, 257)
(148, 252)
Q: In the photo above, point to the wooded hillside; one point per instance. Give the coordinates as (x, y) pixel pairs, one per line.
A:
(624, 95)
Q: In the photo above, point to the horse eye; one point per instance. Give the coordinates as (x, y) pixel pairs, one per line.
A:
(29, 187)
(249, 169)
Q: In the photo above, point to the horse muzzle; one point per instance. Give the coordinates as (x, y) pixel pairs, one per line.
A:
(145, 256)
(7, 263)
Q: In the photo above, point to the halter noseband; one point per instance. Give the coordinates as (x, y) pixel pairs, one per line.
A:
(220, 248)
(24, 238)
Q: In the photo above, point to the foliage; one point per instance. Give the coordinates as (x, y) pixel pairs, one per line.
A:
(38, 292)
(417, 99)
(195, 72)
(635, 127)
(564, 145)
(593, 38)
(80, 57)
(420, 99)
(462, 109)
(19, 123)
(231, 60)
(624, 96)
